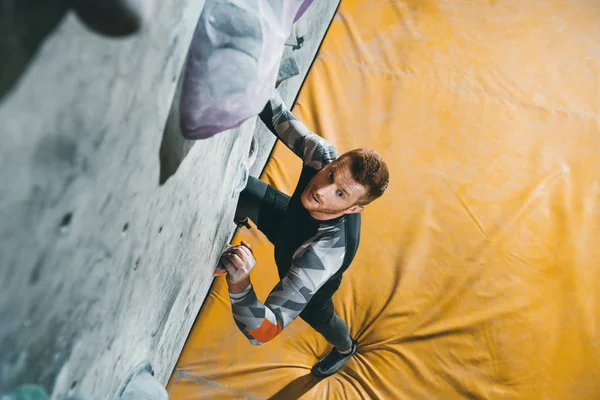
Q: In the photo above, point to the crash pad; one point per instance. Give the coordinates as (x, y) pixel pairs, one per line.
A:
(478, 270)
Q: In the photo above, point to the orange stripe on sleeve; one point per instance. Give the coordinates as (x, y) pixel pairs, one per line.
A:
(266, 331)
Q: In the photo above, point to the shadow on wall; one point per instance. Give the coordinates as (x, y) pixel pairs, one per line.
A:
(25, 24)
(174, 147)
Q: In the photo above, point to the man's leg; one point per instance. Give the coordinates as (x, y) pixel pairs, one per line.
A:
(325, 320)
(250, 200)
(264, 205)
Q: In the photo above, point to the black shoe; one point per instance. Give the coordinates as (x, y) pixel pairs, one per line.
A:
(243, 222)
(332, 362)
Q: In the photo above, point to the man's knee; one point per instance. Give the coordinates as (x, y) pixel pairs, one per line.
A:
(250, 200)
(245, 208)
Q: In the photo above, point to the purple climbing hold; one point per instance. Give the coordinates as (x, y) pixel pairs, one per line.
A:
(302, 9)
(233, 62)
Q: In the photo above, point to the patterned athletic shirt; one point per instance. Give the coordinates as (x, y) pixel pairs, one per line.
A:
(311, 255)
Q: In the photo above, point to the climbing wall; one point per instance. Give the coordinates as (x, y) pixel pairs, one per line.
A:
(111, 223)
(478, 270)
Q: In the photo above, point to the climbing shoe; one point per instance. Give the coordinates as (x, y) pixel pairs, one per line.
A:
(243, 222)
(332, 362)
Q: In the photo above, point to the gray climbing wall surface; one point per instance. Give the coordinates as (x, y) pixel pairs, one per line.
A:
(107, 248)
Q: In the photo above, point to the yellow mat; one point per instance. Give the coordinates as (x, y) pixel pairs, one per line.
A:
(478, 274)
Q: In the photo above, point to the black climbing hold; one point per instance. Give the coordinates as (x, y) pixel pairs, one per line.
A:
(65, 222)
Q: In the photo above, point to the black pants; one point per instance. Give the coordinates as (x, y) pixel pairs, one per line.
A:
(266, 207)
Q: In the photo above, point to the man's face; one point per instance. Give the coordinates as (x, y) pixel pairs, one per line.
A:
(333, 191)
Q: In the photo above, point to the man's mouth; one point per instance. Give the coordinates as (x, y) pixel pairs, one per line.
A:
(312, 193)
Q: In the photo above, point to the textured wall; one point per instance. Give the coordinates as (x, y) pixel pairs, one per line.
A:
(95, 256)
(104, 260)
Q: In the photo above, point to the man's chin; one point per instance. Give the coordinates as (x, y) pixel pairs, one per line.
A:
(306, 204)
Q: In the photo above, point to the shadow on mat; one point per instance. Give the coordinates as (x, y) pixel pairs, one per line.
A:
(296, 388)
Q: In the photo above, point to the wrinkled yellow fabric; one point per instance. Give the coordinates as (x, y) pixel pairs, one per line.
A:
(478, 273)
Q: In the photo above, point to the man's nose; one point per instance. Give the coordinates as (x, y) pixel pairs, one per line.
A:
(322, 191)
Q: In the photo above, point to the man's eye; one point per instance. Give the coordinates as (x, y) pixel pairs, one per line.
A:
(340, 194)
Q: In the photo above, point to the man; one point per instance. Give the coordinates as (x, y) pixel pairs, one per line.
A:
(315, 233)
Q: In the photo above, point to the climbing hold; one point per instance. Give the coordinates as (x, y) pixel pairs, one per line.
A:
(114, 17)
(141, 384)
(233, 62)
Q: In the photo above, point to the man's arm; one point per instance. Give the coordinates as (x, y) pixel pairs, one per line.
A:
(310, 270)
(313, 149)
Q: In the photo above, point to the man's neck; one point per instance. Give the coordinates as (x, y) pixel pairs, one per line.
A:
(325, 216)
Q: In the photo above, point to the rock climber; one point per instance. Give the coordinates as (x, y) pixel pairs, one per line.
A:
(315, 233)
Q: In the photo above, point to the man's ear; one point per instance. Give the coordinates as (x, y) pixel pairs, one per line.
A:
(354, 209)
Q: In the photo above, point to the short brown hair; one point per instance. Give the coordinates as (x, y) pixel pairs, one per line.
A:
(368, 169)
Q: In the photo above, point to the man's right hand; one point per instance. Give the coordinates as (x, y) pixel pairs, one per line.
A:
(239, 263)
